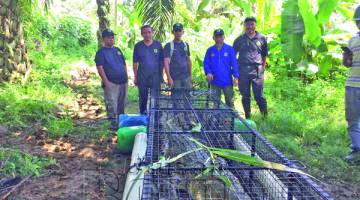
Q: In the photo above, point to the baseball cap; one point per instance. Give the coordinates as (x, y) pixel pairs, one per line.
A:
(218, 32)
(107, 33)
(178, 27)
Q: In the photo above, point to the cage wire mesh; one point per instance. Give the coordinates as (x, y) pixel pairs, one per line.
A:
(177, 116)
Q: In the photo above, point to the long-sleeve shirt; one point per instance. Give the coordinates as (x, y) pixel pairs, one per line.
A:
(222, 64)
(354, 73)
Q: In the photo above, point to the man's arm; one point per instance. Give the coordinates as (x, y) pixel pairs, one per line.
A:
(161, 61)
(166, 64)
(235, 66)
(167, 70)
(135, 64)
(135, 69)
(189, 63)
(207, 70)
(264, 53)
(235, 46)
(347, 54)
(189, 66)
(263, 62)
(347, 58)
(102, 75)
(100, 60)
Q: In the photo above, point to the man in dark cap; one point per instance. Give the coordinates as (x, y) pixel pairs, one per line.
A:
(148, 66)
(177, 62)
(252, 51)
(351, 58)
(110, 63)
(220, 67)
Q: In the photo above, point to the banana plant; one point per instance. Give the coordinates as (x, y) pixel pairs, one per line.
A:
(302, 32)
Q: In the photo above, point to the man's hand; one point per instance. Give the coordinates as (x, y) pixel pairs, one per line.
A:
(170, 82)
(209, 77)
(235, 81)
(106, 83)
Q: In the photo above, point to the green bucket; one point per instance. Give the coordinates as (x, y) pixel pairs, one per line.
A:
(240, 126)
(126, 137)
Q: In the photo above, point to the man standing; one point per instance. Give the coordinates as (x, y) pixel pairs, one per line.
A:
(177, 61)
(148, 60)
(220, 67)
(352, 92)
(111, 66)
(252, 49)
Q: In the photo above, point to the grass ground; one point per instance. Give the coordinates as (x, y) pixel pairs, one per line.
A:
(307, 123)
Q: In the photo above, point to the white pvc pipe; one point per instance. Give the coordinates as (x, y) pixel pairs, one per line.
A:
(275, 188)
(132, 180)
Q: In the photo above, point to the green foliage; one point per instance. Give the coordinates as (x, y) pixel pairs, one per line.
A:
(312, 29)
(244, 5)
(52, 48)
(326, 8)
(292, 31)
(158, 13)
(18, 163)
(72, 31)
(202, 5)
(67, 35)
(307, 123)
(128, 37)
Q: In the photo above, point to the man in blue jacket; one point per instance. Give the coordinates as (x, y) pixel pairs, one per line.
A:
(220, 66)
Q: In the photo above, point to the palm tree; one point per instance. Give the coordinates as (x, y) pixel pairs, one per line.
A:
(157, 13)
(103, 11)
(14, 61)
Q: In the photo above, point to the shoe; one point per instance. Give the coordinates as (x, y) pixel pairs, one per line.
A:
(353, 157)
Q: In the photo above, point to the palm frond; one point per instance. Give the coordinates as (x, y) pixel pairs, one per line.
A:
(157, 13)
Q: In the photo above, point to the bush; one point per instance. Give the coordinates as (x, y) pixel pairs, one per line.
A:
(73, 32)
(18, 163)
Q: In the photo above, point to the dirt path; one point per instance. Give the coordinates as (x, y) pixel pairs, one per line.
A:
(88, 166)
(85, 168)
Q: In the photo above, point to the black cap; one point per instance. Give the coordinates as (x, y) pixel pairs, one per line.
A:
(250, 19)
(107, 33)
(218, 32)
(178, 27)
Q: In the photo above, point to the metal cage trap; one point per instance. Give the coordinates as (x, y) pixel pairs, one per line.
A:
(177, 117)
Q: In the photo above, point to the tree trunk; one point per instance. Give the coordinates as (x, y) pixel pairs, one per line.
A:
(14, 61)
(103, 11)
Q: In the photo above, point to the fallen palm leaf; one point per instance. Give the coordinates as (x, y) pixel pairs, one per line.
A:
(237, 156)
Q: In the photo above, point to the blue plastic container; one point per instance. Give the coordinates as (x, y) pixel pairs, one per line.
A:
(127, 120)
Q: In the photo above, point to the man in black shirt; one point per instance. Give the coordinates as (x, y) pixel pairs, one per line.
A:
(110, 63)
(148, 66)
(177, 62)
(251, 48)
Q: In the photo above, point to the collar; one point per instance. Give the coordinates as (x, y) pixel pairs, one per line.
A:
(148, 45)
(257, 34)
